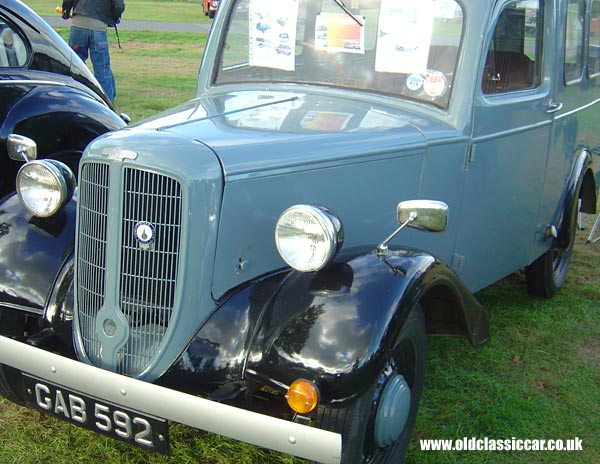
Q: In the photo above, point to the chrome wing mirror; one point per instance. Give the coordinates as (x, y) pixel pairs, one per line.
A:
(21, 148)
(427, 215)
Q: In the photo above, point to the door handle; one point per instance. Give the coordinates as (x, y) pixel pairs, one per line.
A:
(553, 107)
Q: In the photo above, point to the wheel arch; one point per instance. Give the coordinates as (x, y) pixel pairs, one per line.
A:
(59, 118)
(337, 327)
(580, 185)
(588, 193)
(446, 309)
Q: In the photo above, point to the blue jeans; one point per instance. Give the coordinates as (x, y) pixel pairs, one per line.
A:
(86, 42)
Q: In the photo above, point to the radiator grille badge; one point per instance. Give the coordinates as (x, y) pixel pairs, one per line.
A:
(144, 233)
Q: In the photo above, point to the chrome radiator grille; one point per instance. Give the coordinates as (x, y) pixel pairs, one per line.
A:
(91, 259)
(147, 270)
(148, 275)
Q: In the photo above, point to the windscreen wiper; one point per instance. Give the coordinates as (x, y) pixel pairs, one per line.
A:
(341, 4)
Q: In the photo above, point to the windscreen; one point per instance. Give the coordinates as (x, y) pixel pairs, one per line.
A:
(405, 48)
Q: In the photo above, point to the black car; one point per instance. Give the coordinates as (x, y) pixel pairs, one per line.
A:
(46, 93)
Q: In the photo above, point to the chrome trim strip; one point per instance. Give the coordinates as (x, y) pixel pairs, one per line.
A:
(576, 110)
(240, 424)
(30, 82)
(27, 309)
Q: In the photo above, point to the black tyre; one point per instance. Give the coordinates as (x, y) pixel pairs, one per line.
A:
(547, 274)
(378, 426)
(12, 325)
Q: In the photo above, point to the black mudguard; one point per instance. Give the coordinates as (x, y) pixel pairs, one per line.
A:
(62, 120)
(33, 251)
(58, 117)
(580, 183)
(335, 326)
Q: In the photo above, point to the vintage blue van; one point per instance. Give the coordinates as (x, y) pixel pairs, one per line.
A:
(266, 260)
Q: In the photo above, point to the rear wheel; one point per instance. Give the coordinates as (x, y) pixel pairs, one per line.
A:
(378, 426)
(12, 325)
(547, 274)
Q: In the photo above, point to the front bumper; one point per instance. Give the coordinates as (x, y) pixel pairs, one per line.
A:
(240, 424)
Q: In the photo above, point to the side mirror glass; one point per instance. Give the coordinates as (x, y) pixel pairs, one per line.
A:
(428, 215)
(21, 148)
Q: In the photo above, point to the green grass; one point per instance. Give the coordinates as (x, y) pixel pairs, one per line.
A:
(153, 70)
(539, 377)
(151, 10)
(154, 73)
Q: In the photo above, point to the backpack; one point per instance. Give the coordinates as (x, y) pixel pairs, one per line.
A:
(117, 8)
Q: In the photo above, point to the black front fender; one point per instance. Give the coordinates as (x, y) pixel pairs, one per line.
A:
(334, 326)
(337, 326)
(32, 253)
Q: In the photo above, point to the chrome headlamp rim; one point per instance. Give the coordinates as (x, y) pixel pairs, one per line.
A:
(64, 179)
(331, 227)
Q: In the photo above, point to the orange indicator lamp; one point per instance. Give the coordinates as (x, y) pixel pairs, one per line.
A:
(302, 396)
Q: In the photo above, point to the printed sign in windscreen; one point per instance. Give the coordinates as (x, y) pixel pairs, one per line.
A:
(404, 36)
(273, 33)
(340, 33)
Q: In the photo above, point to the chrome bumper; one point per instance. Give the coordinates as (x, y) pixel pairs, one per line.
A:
(240, 424)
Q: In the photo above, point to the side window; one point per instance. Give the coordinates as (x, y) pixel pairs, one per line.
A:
(594, 45)
(13, 53)
(574, 40)
(514, 56)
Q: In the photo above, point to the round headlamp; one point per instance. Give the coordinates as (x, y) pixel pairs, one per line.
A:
(44, 186)
(308, 237)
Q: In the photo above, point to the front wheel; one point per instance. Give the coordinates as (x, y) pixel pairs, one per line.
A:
(378, 426)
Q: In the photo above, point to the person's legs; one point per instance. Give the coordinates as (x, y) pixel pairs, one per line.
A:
(78, 41)
(101, 61)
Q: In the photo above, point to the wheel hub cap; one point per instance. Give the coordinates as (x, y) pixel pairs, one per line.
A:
(392, 412)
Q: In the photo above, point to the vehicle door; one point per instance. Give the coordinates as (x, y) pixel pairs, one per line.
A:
(511, 127)
(577, 76)
(14, 55)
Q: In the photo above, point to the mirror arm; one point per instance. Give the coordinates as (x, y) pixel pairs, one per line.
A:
(382, 248)
(21, 150)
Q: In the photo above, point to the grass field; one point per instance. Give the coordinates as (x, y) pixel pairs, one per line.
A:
(153, 70)
(153, 10)
(539, 377)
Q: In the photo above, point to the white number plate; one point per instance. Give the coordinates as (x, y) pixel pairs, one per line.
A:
(108, 419)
